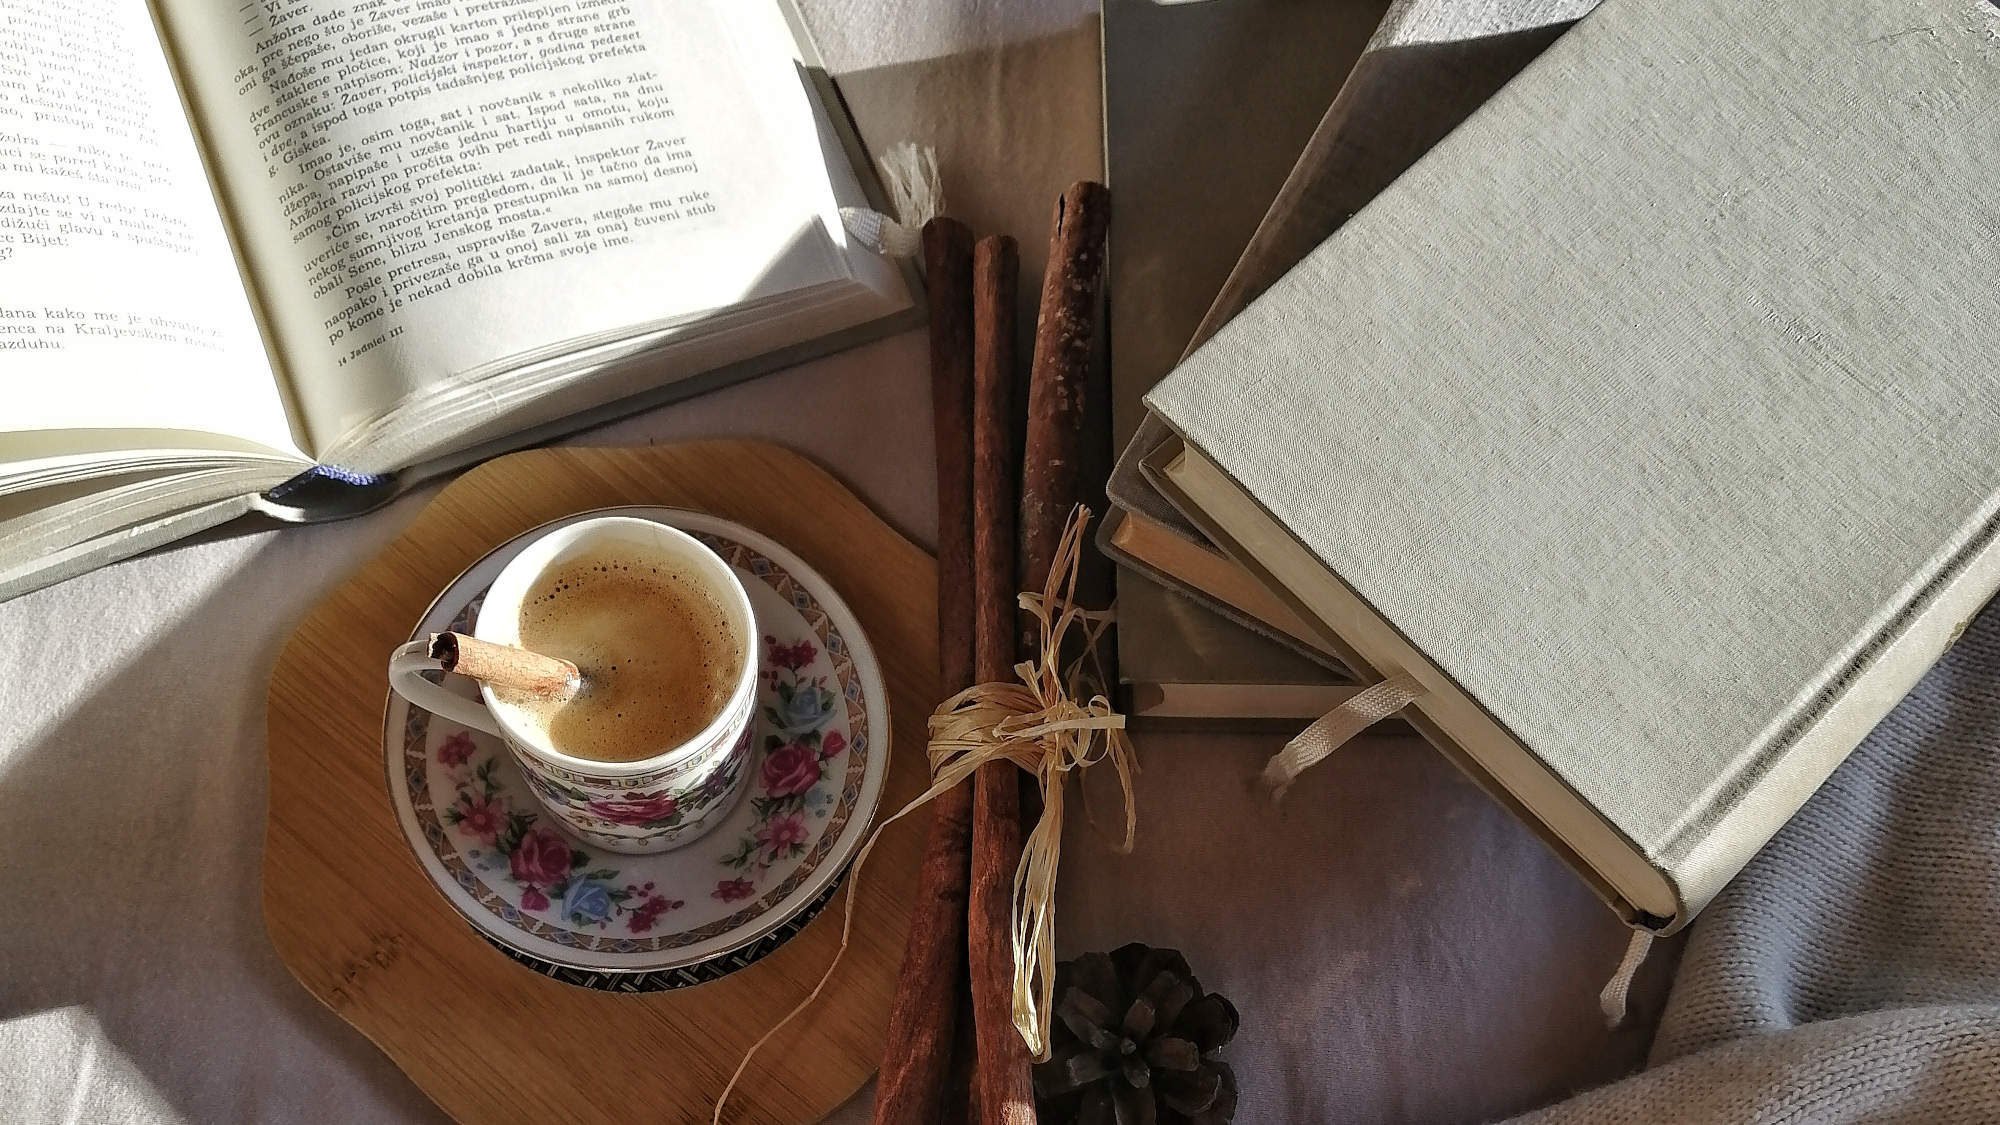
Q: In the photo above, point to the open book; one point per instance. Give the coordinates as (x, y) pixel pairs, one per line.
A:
(286, 254)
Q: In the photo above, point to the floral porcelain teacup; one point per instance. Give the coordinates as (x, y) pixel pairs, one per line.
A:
(649, 805)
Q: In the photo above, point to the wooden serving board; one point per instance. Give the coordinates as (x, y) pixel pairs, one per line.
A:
(492, 1041)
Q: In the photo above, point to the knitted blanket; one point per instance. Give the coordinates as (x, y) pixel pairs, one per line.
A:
(1850, 974)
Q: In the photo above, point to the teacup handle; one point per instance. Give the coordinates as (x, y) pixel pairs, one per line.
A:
(407, 662)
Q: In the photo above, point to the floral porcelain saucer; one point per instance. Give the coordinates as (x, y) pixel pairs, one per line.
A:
(819, 754)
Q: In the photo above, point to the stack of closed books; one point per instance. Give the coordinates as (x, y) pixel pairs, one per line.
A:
(1622, 392)
(1293, 138)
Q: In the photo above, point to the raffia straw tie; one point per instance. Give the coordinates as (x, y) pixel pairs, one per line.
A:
(1039, 726)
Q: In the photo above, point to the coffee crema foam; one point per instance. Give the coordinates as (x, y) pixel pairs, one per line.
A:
(658, 657)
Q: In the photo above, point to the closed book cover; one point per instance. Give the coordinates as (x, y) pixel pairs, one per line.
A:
(1175, 101)
(1429, 64)
(1647, 421)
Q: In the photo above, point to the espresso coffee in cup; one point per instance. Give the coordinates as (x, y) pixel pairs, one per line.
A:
(649, 754)
(658, 657)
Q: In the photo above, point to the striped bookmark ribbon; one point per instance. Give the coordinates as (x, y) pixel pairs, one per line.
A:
(1332, 730)
(1363, 710)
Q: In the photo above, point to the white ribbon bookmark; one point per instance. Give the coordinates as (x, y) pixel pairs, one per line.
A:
(1333, 729)
(1363, 710)
(1618, 990)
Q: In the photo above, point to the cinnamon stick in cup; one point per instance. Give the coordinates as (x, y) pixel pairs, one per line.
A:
(1001, 1073)
(924, 1016)
(504, 666)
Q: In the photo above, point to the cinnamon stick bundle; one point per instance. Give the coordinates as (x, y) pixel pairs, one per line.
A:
(1001, 1075)
(1064, 329)
(924, 1016)
(982, 566)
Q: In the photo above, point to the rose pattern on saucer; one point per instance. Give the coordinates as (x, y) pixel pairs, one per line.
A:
(549, 870)
(803, 704)
(794, 762)
(806, 754)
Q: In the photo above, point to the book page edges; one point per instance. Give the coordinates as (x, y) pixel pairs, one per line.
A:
(1129, 488)
(90, 554)
(1636, 887)
(1137, 537)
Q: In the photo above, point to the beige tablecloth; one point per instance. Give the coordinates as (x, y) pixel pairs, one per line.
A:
(1400, 950)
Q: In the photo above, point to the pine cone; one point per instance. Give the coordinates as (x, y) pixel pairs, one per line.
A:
(1134, 1042)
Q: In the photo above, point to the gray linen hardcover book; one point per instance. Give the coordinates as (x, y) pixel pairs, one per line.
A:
(1647, 421)
(1429, 64)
